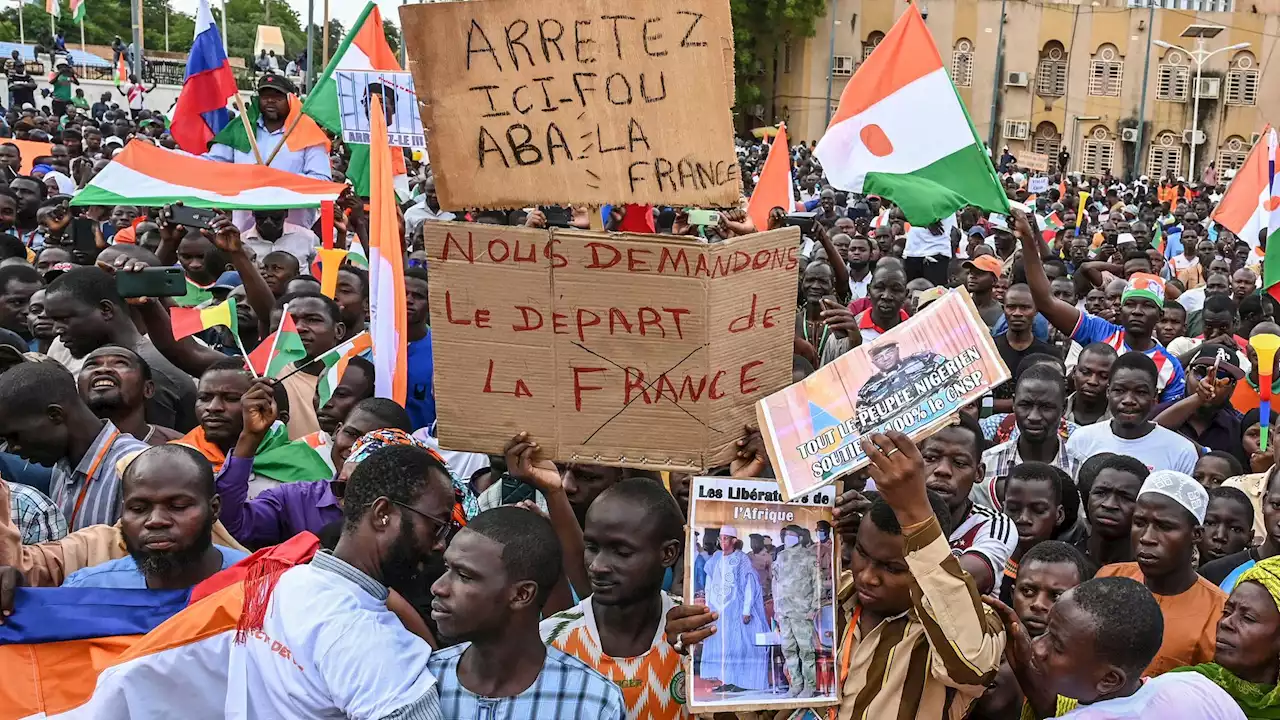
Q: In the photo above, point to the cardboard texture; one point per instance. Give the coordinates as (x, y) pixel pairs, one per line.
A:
(576, 101)
(1033, 161)
(613, 349)
(911, 379)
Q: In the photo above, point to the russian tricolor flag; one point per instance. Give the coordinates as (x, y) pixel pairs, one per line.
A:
(92, 653)
(202, 106)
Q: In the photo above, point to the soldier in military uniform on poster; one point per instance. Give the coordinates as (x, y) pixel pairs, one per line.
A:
(894, 374)
(797, 597)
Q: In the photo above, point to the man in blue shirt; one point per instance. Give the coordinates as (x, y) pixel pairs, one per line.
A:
(421, 398)
(170, 507)
(1140, 308)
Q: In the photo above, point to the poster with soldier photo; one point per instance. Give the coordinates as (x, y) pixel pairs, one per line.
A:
(769, 569)
(911, 379)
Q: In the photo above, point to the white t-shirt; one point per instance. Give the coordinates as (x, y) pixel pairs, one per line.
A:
(921, 242)
(1171, 695)
(1192, 300)
(1160, 449)
(328, 649)
(1180, 262)
(988, 534)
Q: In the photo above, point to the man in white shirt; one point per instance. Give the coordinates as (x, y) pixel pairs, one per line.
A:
(272, 232)
(1101, 636)
(1131, 392)
(928, 251)
(328, 646)
(312, 161)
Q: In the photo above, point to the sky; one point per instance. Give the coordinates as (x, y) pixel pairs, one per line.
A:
(346, 11)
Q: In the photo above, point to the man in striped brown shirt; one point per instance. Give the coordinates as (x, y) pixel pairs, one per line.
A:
(918, 643)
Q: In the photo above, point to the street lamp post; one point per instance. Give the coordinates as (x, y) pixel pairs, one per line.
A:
(1200, 56)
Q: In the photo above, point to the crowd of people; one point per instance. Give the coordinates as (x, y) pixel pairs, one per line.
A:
(1096, 539)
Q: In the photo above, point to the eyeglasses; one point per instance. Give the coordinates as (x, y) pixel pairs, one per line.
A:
(443, 527)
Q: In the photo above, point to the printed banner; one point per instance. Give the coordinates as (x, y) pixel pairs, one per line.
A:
(404, 126)
(911, 379)
(769, 569)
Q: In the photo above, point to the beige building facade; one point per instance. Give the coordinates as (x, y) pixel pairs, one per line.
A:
(1071, 76)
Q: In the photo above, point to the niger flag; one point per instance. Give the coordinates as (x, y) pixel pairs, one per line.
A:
(386, 266)
(773, 189)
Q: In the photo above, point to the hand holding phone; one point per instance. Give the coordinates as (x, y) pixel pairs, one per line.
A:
(199, 218)
(152, 282)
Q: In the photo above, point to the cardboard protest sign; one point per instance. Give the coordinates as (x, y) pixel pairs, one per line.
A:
(635, 350)
(404, 126)
(1033, 161)
(576, 101)
(729, 518)
(911, 379)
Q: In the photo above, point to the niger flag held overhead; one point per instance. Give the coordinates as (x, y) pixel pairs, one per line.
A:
(902, 132)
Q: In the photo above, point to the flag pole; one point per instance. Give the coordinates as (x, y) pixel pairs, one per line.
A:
(253, 137)
(245, 353)
(22, 30)
(324, 40)
(287, 131)
(82, 35)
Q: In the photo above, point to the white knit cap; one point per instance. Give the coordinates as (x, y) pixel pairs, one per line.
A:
(729, 530)
(1181, 487)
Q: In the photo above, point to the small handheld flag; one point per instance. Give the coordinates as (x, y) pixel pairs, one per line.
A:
(1265, 346)
(189, 321)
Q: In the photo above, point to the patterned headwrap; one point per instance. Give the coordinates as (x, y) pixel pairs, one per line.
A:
(1144, 285)
(467, 507)
(1182, 488)
(375, 440)
(1267, 574)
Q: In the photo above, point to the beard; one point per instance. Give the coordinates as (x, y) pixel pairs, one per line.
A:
(859, 265)
(105, 404)
(404, 565)
(166, 563)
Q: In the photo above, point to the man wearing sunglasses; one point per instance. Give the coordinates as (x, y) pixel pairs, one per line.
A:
(329, 646)
(1204, 415)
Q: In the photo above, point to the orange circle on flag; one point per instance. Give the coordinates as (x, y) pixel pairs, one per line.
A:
(1271, 204)
(876, 142)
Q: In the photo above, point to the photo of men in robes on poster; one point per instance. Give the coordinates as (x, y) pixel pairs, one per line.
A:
(766, 569)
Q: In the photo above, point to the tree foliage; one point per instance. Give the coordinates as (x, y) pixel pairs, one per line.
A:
(759, 27)
(103, 21)
(393, 35)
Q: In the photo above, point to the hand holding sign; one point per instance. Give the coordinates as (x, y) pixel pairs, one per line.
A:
(898, 471)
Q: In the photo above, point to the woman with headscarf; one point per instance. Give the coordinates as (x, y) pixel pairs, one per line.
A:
(1246, 660)
(59, 183)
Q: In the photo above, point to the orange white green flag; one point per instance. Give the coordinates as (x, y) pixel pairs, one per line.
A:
(773, 188)
(1243, 209)
(902, 132)
(365, 47)
(387, 303)
(335, 364)
(53, 7)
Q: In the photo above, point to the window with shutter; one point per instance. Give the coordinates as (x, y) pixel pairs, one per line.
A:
(1173, 78)
(1232, 154)
(962, 63)
(1165, 156)
(1106, 73)
(1099, 152)
(1051, 72)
